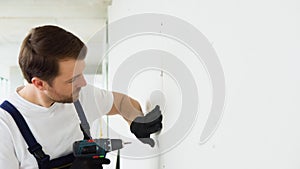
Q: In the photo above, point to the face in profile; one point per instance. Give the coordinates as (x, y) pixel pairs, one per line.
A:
(65, 88)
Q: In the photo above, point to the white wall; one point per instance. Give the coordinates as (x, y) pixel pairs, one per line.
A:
(16, 78)
(257, 45)
(13, 79)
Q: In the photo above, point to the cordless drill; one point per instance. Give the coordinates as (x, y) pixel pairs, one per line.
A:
(96, 148)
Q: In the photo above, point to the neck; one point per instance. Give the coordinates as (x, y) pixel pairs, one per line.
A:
(35, 96)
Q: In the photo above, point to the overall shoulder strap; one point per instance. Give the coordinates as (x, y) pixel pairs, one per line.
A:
(33, 146)
(85, 127)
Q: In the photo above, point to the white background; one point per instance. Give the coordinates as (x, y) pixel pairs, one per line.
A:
(257, 43)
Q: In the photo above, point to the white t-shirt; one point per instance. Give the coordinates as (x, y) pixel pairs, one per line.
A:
(56, 128)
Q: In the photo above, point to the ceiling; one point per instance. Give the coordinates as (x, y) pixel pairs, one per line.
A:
(81, 17)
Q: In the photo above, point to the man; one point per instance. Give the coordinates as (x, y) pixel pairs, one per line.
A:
(52, 62)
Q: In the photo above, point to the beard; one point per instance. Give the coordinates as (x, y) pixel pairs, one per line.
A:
(63, 98)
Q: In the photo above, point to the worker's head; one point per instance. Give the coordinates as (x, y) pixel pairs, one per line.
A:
(50, 54)
(44, 47)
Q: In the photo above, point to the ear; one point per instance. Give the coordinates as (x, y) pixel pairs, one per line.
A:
(39, 83)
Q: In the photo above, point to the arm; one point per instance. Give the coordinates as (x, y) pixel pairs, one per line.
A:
(8, 157)
(141, 126)
(125, 106)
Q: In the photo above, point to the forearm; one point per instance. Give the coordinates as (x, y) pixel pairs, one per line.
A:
(126, 106)
(141, 127)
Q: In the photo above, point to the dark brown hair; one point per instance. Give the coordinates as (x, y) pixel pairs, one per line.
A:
(44, 47)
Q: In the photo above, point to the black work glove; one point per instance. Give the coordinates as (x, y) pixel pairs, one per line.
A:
(143, 126)
(89, 163)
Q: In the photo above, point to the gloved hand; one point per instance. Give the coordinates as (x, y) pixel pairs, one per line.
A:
(89, 163)
(143, 126)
